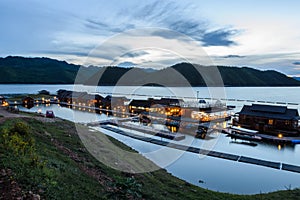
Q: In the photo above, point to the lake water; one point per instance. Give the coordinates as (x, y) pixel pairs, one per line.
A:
(275, 94)
(216, 174)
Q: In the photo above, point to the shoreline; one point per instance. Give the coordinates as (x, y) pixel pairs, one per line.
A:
(171, 86)
(200, 188)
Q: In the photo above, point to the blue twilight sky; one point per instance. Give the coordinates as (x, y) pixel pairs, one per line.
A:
(263, 34)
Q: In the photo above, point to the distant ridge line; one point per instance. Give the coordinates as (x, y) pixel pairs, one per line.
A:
(20, 70)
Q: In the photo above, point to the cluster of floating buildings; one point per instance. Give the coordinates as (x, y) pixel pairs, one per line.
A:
(279, 121)
(146, 108)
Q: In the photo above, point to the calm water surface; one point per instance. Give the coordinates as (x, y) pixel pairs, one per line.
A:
(216, 174)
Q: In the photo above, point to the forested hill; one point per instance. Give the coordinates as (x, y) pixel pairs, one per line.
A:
(50, 71)
(36, 70)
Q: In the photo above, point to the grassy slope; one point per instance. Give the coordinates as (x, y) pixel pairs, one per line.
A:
(70, 172)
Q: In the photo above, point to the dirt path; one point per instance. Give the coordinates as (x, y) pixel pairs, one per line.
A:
(4, 114)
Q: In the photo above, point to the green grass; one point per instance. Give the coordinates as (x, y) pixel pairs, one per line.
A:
(64, 169)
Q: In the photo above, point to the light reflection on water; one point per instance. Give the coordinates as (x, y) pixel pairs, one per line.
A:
(213, 173)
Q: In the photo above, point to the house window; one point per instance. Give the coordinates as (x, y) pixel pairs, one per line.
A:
(270, 122)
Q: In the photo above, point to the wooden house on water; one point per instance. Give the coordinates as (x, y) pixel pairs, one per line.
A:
(2, 100)
(165, 106)
(28, 102)
(269, 119)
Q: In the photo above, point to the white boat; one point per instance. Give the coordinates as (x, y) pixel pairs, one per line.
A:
(242, 133)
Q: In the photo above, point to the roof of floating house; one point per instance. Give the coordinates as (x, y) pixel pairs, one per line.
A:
(140, 103)
(270, 111)
(170, 101)
(149, 102)
(78, 95)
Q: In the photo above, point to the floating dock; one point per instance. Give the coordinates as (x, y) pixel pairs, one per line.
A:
(275, 165)
(291, 168)
(216, 154)
(263, 137)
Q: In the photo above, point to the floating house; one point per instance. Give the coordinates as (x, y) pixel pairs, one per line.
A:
(138, 106)
(165, 106)
(119, 103)
(269, 119)
(83, 98)
(28, 102)
(64, 95)
(98, 100)
(2, 100)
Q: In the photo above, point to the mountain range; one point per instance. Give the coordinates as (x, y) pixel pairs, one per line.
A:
(15, 69)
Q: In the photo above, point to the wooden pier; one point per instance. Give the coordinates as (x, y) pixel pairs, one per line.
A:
(211, 153)
(155, 132)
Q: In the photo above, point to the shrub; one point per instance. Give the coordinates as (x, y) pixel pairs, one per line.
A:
(20, 128)
(127, 188)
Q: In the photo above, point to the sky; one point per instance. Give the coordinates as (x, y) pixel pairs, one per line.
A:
(260, 34)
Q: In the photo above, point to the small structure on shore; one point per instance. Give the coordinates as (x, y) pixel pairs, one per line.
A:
(2, 100)
(269, 119)
(44, 92)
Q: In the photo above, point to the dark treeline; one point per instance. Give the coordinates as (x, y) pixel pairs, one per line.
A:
(50, 71)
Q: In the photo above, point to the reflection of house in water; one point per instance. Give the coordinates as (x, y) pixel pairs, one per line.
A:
(269, 119)
(28, 102)
(106, 102)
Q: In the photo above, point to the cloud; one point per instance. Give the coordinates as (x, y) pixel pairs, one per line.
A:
(233, 56)
(194, 29)
(59, 52)
(282, 62)
(296, 63)
(126, 64)
(151, 11)
(173, 16)
(95, 24)
(179, 19)
(108, 28)
(167, 34)
(219, 37)
(134, 54)
(74, 32)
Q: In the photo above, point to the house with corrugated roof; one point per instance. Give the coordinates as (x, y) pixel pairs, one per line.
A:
(269, 119)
